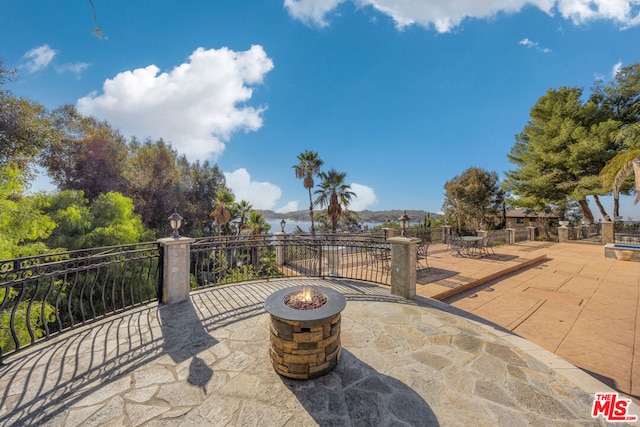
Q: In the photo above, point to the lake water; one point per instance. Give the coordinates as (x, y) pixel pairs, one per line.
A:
(304, 225)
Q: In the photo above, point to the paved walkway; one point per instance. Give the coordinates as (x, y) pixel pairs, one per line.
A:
(205, 362)
(577, 304)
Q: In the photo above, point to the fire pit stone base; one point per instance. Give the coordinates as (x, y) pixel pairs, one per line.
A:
(305, 349)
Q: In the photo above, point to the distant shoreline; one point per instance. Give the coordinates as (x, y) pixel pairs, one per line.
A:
(366, 215)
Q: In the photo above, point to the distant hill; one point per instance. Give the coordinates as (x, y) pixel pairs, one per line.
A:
(368, 216)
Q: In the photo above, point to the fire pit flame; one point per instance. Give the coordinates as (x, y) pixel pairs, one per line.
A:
(305, 299)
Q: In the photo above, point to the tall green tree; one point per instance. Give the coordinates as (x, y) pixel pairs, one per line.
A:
(243, 210)
(25, 128)
(23, 226)
(199, 184)
(152, 182)
(309, 164)
(334, 194)
(88, 155)
(222, 214)
(621, 97)
(473, 198)
(626, 164)
(560, 152)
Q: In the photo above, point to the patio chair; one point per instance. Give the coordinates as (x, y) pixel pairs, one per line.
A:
(485, 246)
(421, 255)
(456, 244)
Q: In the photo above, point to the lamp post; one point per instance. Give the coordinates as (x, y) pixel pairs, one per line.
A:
(282, 224)
(176, 221)
(404, 222)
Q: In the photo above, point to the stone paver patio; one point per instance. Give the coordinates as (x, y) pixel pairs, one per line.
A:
(205, 362)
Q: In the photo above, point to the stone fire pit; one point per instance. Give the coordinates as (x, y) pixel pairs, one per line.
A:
(305, 332)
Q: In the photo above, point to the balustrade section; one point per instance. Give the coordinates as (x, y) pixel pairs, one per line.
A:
(43, 296)
(221, 260)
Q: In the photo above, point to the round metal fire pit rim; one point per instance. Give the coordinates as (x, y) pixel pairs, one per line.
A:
(276, 307)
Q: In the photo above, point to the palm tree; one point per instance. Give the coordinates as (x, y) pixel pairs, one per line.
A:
(243, 210)
(257, 224)
(222, 209)
(308, 167)
(625, 163)
(334, 194)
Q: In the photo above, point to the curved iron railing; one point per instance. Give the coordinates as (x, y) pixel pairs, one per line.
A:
(43, 296)
(221, 260)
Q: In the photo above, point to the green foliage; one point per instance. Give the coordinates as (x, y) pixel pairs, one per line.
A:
(22, 225)
(560, 151)
(109, 221)
(22, 324)
(473, 199)
(334, 194)
(308, 166)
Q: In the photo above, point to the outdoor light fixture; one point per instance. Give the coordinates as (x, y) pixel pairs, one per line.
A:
(176, 221)
(404, 222)
(282, 224)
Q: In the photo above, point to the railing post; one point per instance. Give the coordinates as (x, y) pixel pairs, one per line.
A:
(608, 232)
(280, 249)
(175, 274)
(532, 232)
(563, 232)
(403, 266)
(511, 233)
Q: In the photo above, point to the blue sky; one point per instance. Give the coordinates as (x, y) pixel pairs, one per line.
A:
(402, 96)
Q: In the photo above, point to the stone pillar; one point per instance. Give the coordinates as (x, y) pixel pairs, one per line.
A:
(403, 266)
(511, 232)
(532, 232)
(608, 232)
(388, 232)
(563, 233)
(175, 277)
(446, 229)
(482, 233)
(280, 249)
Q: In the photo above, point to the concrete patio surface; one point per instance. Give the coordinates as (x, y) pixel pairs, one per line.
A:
(576, 303)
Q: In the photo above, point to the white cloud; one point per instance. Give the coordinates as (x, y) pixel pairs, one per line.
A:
(445, 15)
(364, 199)
(197, 106)
(38, 58)
(289, 207)
(262, 195)
(311, 12)
(531, 44)
(616, 69)
(76, 68)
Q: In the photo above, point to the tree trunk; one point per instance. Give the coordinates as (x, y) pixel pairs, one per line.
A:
(586, 211)
(601, 208)
(313, 228)
(616, 205)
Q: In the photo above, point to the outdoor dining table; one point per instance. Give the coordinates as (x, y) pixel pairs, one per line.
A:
(471, 242)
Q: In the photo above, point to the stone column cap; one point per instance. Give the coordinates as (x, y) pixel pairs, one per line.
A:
(403, 240)
(169, 241)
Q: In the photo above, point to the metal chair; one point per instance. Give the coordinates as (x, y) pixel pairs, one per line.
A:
(456, 244)
(421, 255)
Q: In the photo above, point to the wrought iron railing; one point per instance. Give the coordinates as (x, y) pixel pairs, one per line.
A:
(499, 237)
(43, 296)
(585, 232)
(222, 260)
(627, 233)
(522, 234)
